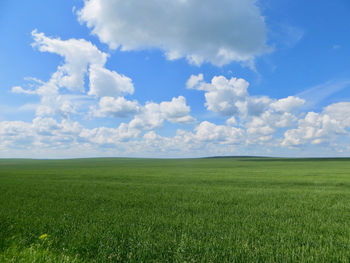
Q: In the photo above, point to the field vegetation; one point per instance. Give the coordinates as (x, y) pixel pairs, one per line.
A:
(181, 210)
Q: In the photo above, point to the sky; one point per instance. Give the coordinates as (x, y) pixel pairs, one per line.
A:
(174, 78)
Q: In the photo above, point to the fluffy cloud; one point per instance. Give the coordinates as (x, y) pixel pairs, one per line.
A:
(44, 132)
(15, 134)
(104, 82)
(194, 81)
(115, 107)
(340, 112)
(176, 110)
(150, 118)
(221, 95)
(210, 132)
(230, 97)
(41, 132)
(287, 104)
(109, 136)
(261, 129)
(320, 128)
(153, 115)
(206, 137)
(261, 116)
(78, 55)
(81, 59)
(215, 31)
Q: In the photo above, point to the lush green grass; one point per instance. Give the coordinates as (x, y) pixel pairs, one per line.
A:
(194, 210)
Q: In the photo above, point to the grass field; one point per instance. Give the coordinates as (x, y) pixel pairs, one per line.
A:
(191, 210)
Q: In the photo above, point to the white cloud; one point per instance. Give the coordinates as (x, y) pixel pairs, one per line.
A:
(41, 132)
(55, 104)
(149, 118)
(19, 89)
(15, 134)
(222, 95)
(325, 127)
(207, 131)
(176, 110)
(78, 55)
(261, 129)
(261, 116)
(104, 82)
(231, 121)
(152, 115)
(109, 136)
(206, 138)
(81, 59)
(45, 126)
(194, 80)
(230, 97)
(253, 106)
(116, 107)
(339, 111)
(287, 104)
(52, 134)
(214, 31)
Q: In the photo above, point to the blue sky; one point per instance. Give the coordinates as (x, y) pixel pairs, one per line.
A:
(180, 78)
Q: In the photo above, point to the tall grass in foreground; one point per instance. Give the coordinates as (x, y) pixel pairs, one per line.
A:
(194, 210)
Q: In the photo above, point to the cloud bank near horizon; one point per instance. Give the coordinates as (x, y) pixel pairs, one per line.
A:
(248, 121)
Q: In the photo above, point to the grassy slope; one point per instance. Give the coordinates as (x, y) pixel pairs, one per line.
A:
(135, 210)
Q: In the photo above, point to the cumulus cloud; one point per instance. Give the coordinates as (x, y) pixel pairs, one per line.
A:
(41, 132)
(109, 136)
(176, 110)
(15, 134)
(78, 55)
(287, 104)
(194, 81)
(104, 82)
(218, 32)
(222, 95)
(230, 97)
(209, 132)
(81, 59)
(339, 111)
(261, 129)
(115, 107)
(206, 137)
(261, 116)
(47, 132)
(149, 118)
(152, 115)
(320, 128)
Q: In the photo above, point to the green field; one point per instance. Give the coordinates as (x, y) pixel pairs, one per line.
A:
(190, 210)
